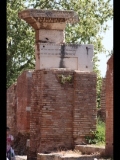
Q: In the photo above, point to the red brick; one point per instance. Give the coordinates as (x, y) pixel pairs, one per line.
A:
(61, 114)
(109, 108)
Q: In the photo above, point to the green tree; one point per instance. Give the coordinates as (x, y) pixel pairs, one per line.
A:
(20, 37)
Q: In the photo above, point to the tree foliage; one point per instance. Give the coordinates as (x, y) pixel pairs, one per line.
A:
(20, 36)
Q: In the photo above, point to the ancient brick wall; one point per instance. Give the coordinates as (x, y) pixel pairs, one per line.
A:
(24, 85)
(102, 112)
(51, 111)
(11, 108)
(57, 107)
(59, 111)
(109, 107)
(84, 105)
(18, 104)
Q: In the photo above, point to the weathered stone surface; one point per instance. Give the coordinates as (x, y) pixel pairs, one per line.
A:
(50, 36)
(21, 157)
(76, 57)
(43, 19)
(109, 107)
(61, 156)
(88, 149)
(50, 48)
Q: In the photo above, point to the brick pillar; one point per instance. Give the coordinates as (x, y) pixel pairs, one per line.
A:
(51, 112)
(84, 113)
(35, 115)
(109, 108)
(18, 110)
(24, 84)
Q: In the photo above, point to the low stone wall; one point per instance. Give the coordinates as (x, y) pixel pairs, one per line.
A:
(56, 156)
(21, 157)
(87, 149)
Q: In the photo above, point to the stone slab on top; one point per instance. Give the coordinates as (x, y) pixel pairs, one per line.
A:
(50, 48)
(44, 19)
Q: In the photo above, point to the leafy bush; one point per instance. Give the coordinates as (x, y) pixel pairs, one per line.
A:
(65, 79)
(98, 136)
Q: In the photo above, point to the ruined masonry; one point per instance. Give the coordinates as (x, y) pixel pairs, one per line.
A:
(109, 108)
(102, 111)
(55, 103)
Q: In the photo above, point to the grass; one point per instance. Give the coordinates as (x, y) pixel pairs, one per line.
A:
(97, 137)
(101, 132)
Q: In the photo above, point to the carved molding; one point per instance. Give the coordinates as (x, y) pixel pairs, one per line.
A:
(35, 17)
